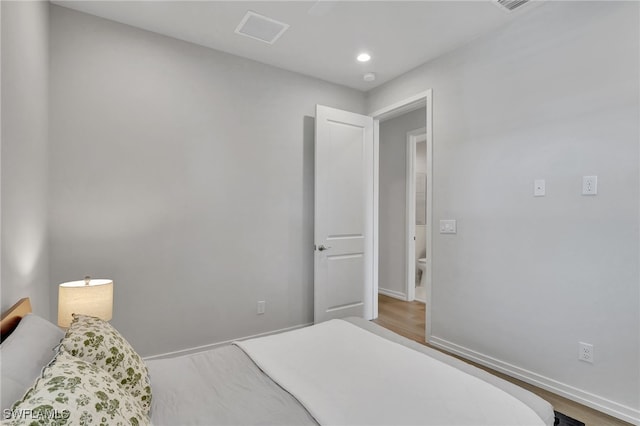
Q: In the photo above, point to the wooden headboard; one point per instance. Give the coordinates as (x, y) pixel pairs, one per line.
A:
(12, 317)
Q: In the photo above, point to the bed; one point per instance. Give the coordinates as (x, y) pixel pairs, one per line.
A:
(347, 371)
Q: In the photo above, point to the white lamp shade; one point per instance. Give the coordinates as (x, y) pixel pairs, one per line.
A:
(77, 297)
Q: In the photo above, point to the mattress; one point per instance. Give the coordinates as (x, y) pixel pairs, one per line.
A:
(224, 386)
(541, 407)
(221, 386)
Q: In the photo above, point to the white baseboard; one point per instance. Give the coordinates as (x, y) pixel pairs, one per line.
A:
(392, 293)
(203, 348)
(596, 402)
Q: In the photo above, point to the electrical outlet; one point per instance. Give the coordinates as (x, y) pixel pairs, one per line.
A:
(585, 352)
(589, 185)
(262, 306)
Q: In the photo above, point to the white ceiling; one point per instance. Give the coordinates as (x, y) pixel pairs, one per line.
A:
(325, 36)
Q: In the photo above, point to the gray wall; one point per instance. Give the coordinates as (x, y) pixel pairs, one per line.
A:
(555, 95)
(186, 175)
(392, 273)
(24, 234)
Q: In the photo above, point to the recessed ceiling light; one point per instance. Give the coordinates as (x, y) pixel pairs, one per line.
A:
(363, 57)
(370, 76)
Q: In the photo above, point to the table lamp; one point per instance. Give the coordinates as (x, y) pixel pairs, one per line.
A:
(87, 297)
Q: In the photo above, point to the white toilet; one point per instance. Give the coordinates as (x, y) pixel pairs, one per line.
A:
(422, 265)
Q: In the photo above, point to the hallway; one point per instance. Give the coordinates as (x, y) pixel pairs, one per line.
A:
(404, 318)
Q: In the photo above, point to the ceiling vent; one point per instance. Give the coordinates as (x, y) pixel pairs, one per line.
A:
(260, 27)
(511, 5)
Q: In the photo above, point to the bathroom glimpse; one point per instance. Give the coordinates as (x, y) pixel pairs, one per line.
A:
(421, 220)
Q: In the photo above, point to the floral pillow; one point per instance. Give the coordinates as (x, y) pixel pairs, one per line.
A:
(74, 392)
(97, 342)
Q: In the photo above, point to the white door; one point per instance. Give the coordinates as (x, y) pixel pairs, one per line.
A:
(344, 203)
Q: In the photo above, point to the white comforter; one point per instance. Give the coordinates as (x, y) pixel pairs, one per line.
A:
(345, 375)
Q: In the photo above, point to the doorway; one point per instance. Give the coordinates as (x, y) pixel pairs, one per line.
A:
(396, 266)
(361, 168)
(416, 211)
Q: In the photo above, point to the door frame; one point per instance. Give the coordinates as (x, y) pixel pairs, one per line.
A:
(413, 138)
(409, 104)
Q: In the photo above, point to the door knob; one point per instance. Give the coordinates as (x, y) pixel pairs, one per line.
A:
(323, 248)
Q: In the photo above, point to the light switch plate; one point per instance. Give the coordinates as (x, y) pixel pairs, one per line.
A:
(448, 226)
(538, 188)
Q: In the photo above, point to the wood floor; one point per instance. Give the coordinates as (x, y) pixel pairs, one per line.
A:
(408, 320)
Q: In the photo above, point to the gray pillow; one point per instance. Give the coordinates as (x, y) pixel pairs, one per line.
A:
(24, 354)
